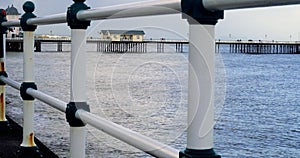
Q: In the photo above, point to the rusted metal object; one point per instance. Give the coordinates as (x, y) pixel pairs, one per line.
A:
(2, 105)
(31, 139)
(2, 66)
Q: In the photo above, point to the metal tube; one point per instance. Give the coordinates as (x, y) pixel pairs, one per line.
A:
(149, 8)
(52, 19)
(135, 139)
(28, 64)
(28, 76)
(78, 87)
(78, 139)
(28, 132)
(146, 8)
(201, 87)
(2, 87)
(148, 145)
(78, 65)
(11, 82)
(11, 23)
(239, 4)
(54, 102)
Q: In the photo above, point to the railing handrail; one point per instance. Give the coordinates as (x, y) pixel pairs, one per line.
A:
(149, 8)
(242, 4)
(133, 138)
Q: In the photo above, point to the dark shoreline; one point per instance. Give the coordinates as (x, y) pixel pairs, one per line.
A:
(11, 139)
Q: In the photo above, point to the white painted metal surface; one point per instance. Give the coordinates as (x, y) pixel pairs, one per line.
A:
(28, 63)
(78, 88)
(77, 137)
(54, 102)
(11, 82)
(28, 76)
(4, 49)
(78, 65)
(201, 76)
(28, 132)
(135, 139)
(239, 4)
(146, 8)
(201, 87)
(52, 19)
(11, 23)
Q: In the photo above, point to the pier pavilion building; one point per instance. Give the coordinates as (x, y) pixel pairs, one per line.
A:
(122, 35)
(12, 13)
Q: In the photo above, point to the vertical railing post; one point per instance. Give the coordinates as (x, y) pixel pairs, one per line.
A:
(201, 79)
(78, 79)
(28, 147)
(4, 124)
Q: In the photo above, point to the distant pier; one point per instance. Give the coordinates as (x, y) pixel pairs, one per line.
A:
(16, 45)
(247, 47)
(258, 47)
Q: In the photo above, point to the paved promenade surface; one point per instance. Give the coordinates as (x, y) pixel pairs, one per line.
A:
(11, 138)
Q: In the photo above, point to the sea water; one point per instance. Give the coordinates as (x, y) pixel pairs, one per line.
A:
(257, 101)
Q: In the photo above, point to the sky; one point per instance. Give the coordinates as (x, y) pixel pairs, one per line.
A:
(272, 23)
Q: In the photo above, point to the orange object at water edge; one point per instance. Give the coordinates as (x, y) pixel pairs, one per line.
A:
(2, 107)
(31, 139)
(2, 68)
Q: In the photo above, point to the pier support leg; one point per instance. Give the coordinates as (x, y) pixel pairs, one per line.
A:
(38, 46)
(59, 47)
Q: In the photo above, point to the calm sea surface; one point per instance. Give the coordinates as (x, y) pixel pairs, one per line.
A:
(257, 101)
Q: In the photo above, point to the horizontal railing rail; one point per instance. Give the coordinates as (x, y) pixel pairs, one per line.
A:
(135, 139)
(149, 8)
(240, 4)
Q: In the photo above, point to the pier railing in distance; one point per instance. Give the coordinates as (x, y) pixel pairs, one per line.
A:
(202, 17)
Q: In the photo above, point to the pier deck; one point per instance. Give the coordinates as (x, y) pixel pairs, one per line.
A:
(11, 138)
(16, 45)
(259, 47)
(238, 46)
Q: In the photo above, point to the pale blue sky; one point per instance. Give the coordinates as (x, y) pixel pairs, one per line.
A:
(275, 23)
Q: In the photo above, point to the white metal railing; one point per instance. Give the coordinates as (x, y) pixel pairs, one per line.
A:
(201, 74)
(148, 8)
(239, 4)
(133, 138)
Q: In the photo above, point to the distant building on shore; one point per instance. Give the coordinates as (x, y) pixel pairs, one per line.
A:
(123, 35)
(13, 14)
